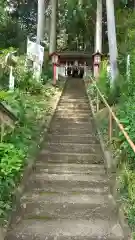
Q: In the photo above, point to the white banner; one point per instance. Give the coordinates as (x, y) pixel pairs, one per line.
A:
(35, 52)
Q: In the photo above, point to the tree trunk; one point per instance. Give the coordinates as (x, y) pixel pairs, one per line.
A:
(98, 37)
(41, 21)
(112, 39)
(53, 30)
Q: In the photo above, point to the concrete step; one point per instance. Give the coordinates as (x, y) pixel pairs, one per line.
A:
(79, 158)
(77, 116)
(82, 100)
(72, 131)
(69, 198)
(82, 139)
(86, 127)
(70, 177)
(64, 181)
(51, 211)
(70, 105)
(66, 124)
(41, 186)
(73, 111)
(66, 228)
(76, 120)
(74, 95)
(53, 168)
(72, 120)
(77, 110)
(84, 119)
(70, 99)
(73, 148)
(79, 97)
(71, 102)
(59, 206)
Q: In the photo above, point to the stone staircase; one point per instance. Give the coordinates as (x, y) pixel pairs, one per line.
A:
(67, 196)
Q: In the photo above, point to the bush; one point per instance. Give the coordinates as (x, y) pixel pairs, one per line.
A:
(11, 164)
(123, 94)
(31, 110)
(111, 94)
(47, 74)
(26, 82)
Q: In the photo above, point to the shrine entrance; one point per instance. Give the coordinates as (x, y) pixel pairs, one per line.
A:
(73, 64)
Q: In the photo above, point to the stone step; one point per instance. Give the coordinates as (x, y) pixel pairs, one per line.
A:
(69, 198)
(41, 186)
(88, 139)
(73, 148)
(65, 102)
(86, 119)
(40, 180)
(73, 131)
(70, 177)
(74, 96)
(72, 121)
(54, 168)
(66, 124)
(77, 116)
(12, 237)
(66, 228)
(71, 99)
(51, 211)
(57, 157)
(70, 105)
(61, 126)
(73, 111)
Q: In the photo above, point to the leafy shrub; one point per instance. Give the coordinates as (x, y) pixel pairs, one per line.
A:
(11, 164)
(31, 111)
(47, 74)
(26, 82)
(111, 94)
(123, 94)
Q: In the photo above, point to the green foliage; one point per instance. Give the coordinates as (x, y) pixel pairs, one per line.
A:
(24, 79)
(81, 18)
(125, 23)
(123, 94)
(10, 167)
(3, 95)
(26, 82)
(32, 111)
(30, 103)
(103, 82)
(47, 74)
(111, 94)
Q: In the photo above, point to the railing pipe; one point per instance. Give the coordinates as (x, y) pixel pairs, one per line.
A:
(112, 115)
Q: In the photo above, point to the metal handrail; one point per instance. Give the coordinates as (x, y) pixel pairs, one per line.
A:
(113, 116)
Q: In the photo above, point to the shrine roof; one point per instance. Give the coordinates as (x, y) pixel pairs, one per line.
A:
(73, 54)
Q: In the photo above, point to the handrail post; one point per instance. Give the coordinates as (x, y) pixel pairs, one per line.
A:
(110, 126)
(97, 100)
(2, 132)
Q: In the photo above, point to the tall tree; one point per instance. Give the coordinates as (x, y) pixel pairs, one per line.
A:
(82, 19)
(98, 37)
(25, 12)
(53, 30)
(112, 38)
(41, 21)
